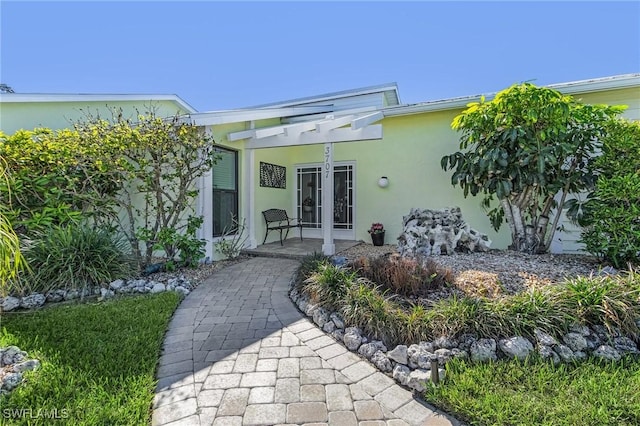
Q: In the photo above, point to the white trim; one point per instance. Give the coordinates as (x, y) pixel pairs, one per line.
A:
(331, 122)
(235, 116)
(81, 97)
(250, 196)
(570, 88)
(382, 88)
(365, 120)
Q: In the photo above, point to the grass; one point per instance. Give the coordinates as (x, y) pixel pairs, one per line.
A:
(534, 392)
(98, 361)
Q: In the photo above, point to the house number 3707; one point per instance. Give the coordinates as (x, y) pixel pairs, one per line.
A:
(327, 161)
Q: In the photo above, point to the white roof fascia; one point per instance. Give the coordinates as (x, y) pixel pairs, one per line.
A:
(336, 95)
(240, 115)
(575, 87)
(82, 97)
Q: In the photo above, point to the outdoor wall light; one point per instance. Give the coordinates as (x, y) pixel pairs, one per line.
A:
(383, 182)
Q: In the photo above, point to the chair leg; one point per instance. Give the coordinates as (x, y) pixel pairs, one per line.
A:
(281, 238)
(300, 232)
(265, 237)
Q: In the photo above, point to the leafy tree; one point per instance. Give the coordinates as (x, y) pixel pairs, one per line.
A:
(611, 215)
(524, 147)
(155, 165)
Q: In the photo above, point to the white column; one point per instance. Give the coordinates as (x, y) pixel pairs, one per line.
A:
(328, 247)
(249, 196)
(205, 201)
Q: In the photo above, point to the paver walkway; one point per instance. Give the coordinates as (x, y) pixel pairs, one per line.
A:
(239, 353)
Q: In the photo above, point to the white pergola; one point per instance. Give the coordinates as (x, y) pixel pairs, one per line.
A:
(342, 126)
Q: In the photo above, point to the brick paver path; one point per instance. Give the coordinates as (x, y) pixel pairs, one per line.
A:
(238, 352)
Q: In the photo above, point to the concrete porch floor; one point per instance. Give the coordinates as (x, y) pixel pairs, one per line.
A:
(293, 248)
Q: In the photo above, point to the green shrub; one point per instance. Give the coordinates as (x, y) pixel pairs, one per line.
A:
(611, 216)
(77, 256)
(404, 276)
(612, 301)
(329, 285)
(366, 307)
(311, 264)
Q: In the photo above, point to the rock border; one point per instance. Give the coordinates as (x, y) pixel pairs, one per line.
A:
(411, 364)
(178, 284)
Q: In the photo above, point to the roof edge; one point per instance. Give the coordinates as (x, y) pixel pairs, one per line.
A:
(574, 87)
(93, 97)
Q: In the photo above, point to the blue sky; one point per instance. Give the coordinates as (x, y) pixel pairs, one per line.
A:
(221, 55)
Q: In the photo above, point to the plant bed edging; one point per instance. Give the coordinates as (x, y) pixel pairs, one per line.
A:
(410, 365)
(121, 286)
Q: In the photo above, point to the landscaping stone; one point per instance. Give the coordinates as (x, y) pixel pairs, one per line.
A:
(12, 355)
(13, 363)
(544, 338)
(54, 296)
(442, 355)
(337, 320)
(401, 374)
(580, 329)
(380, 360)
(433, 232)
(106, 293)
(399, 354)
(483, 350)
(352, 338)
(445, 342)
(10, 381)
(116, 285)
(367, 350)
(32, 364)
(516, 347)
(593, 341)
(71, 295)
(575, 341)
(182, 290)
(328, 327)
(465, 341)
(338, 334)
(158, 288)
(10, 303)
(624, 345)
(417, 379)
(547, 352)
(565, 353)
(607, 352)
(320, 317)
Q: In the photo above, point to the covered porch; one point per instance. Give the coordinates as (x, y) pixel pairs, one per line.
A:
(293, 248)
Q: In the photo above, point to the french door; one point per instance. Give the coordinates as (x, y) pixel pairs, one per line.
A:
(309, 199)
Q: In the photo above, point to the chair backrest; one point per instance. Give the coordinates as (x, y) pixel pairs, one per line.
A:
(275, 215)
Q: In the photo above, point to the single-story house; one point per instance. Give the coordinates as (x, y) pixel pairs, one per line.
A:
(323, 158)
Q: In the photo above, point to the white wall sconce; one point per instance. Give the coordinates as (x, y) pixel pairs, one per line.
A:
(383, 182)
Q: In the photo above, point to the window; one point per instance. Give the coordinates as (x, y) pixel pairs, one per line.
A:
(225, 192)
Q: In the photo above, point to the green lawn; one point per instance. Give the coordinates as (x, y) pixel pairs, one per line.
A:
(98, 361)
(537, 393)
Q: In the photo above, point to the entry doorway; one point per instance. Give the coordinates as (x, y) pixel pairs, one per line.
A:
(309, 199)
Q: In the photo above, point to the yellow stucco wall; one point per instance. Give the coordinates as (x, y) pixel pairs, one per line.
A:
(59, 115)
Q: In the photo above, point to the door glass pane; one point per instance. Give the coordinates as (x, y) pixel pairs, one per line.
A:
(309, 196)
(343, 197)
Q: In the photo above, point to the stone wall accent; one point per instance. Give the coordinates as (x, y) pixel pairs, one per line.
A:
(433, 232)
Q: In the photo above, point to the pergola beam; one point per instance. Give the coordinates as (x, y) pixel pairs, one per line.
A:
(309, 138)
(365, 120)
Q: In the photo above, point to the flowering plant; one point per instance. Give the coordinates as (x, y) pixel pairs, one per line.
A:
(308, 202)
(376, 228)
